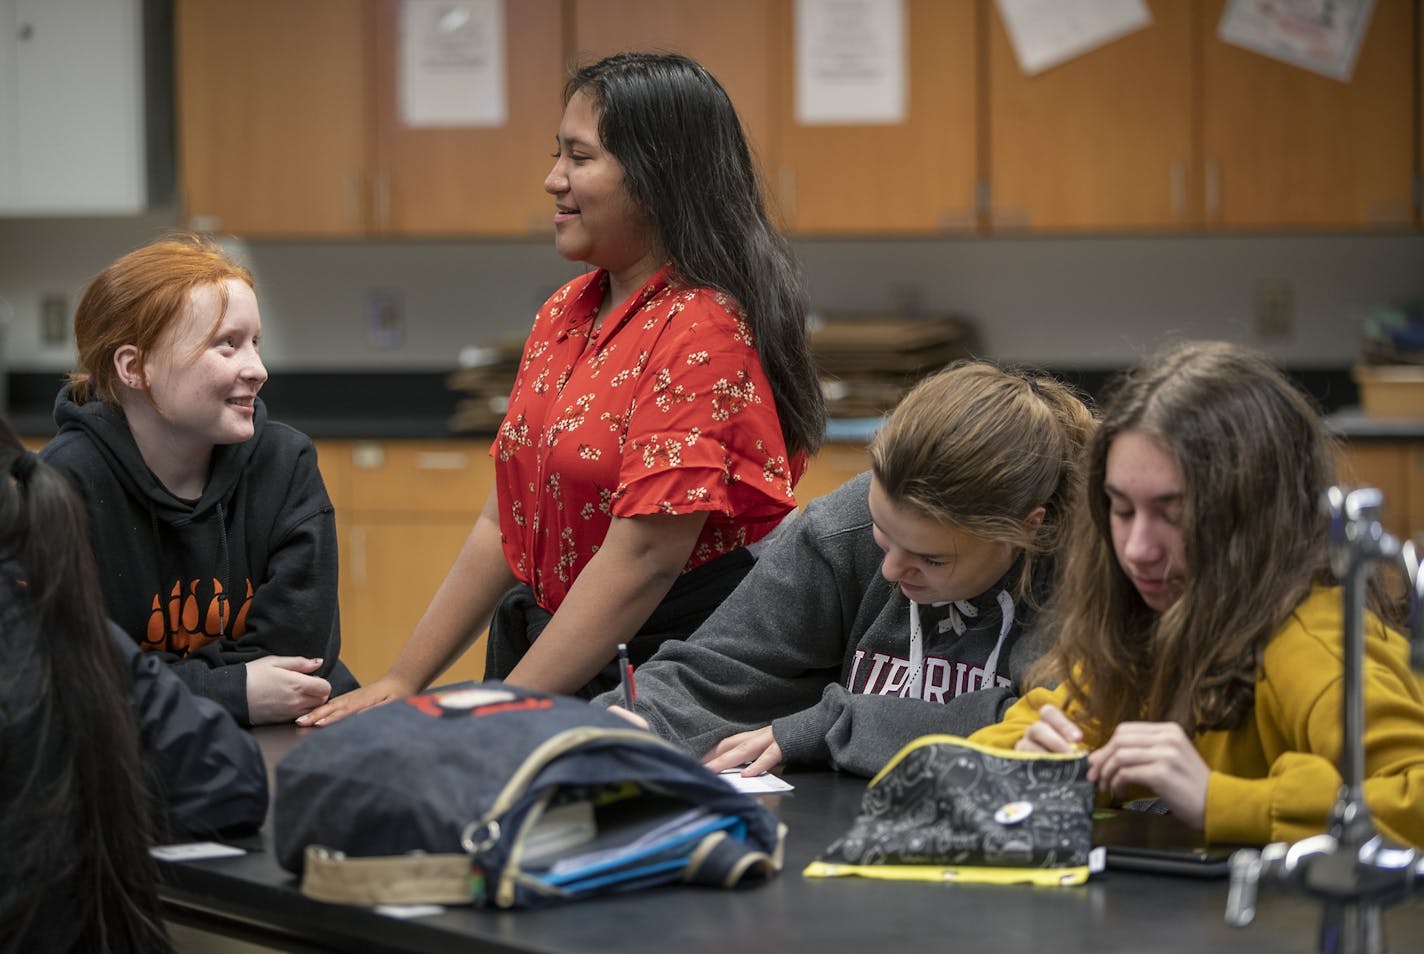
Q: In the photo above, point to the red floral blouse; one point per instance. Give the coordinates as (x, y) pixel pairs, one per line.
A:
(663, 410)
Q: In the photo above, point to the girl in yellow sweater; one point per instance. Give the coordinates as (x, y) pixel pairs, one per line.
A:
(1199, 629)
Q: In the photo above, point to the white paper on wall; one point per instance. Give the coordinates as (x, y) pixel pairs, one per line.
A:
(1045, 33)
(1322, 36)
(850, 62)
(452, 69)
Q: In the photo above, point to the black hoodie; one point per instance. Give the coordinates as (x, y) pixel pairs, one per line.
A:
(247, 570)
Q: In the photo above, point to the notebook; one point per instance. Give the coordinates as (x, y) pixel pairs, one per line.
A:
(626, 844)
(1159, 843)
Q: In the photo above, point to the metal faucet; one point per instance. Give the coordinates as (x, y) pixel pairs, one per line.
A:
(1351, 869)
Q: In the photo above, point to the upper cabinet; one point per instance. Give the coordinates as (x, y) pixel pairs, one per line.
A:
(272, 116)
(72, 107)
(1169, 127)
(1102, 141)
(290, 125)
(471, 180)
(1287, 148)
(732, 38)
(912, 178)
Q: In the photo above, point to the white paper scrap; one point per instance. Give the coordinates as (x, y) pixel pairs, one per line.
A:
(851, 64)
(452, 69)
(1045, 33)
(195, 851)
(1322, 36)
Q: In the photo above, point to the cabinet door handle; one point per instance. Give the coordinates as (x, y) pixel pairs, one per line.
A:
(1177, 184)
(1212, 187)
(383, 199)
(353, 198)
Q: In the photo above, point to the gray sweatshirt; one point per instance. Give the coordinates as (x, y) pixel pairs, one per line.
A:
(816, 644)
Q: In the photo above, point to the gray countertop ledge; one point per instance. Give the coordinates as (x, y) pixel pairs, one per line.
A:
(1351, 423)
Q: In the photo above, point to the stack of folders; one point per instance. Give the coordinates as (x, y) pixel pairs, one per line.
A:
(582, 846)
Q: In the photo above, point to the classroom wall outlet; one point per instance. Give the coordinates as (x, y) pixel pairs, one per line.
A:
(1274, 309)
(385, 318)
(54, 319)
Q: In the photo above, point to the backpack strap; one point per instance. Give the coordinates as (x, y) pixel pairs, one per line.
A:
(415, 878)
(722, 861)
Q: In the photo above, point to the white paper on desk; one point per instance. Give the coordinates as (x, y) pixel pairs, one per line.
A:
(195, 851)
(452, 70)
(1045, 33)
(405, 912)
(1322, 36)
(758, 784)
(851, 63)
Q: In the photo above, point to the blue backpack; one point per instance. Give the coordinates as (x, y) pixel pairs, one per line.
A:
(485, 794)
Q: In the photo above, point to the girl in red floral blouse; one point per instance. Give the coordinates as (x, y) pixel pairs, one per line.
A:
(665, 405)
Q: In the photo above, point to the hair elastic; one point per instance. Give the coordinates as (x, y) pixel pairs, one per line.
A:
(24, 465)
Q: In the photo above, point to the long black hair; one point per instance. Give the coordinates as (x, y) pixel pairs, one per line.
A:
(687, 163)
(75, 818)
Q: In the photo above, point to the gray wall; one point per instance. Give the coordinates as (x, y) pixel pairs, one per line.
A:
(1065, 302)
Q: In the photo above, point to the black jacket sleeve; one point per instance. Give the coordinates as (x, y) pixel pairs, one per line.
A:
(209, 772)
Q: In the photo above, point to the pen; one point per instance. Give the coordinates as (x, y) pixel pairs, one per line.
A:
(625, 676)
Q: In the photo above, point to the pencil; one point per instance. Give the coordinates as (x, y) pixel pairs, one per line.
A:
(625, 676)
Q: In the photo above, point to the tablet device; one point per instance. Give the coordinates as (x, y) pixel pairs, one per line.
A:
(1159, 843)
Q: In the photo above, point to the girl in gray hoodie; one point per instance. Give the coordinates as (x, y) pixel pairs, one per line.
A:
(898, 605)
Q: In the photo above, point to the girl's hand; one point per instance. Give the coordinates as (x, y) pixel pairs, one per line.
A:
(381, 691)
(281, 688)
(757, 747)
(632, 717)
(1053, 732)
(1159, 756)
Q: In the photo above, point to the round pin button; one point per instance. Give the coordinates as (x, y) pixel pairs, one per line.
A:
(1013, 813)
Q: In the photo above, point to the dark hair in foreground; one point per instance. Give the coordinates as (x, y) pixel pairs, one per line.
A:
(76, 815)
(1256, 459)
(686, 161)
(980, 448)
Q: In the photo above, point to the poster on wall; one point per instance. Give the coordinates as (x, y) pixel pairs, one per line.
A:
(1045, 33)
(850, 62)
(452, 70)
(1322, 36)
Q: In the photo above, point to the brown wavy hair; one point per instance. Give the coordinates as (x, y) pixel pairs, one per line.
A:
(1256, 459)
(981, 447)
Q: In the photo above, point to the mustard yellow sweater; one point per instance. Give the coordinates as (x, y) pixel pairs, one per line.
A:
(1276, 776)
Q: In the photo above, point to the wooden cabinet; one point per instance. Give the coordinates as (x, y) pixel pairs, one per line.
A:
(1396, 468)
(404, 509)
(912, 178)
(290, 126)
(1170, 127)
(732, 38)
(835, 464)
(272, 116)
(1283, 147)
(1102, 141)
(477, 181)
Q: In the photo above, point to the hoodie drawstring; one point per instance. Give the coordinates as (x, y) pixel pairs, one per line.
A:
(223, 603)
(917, 652)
